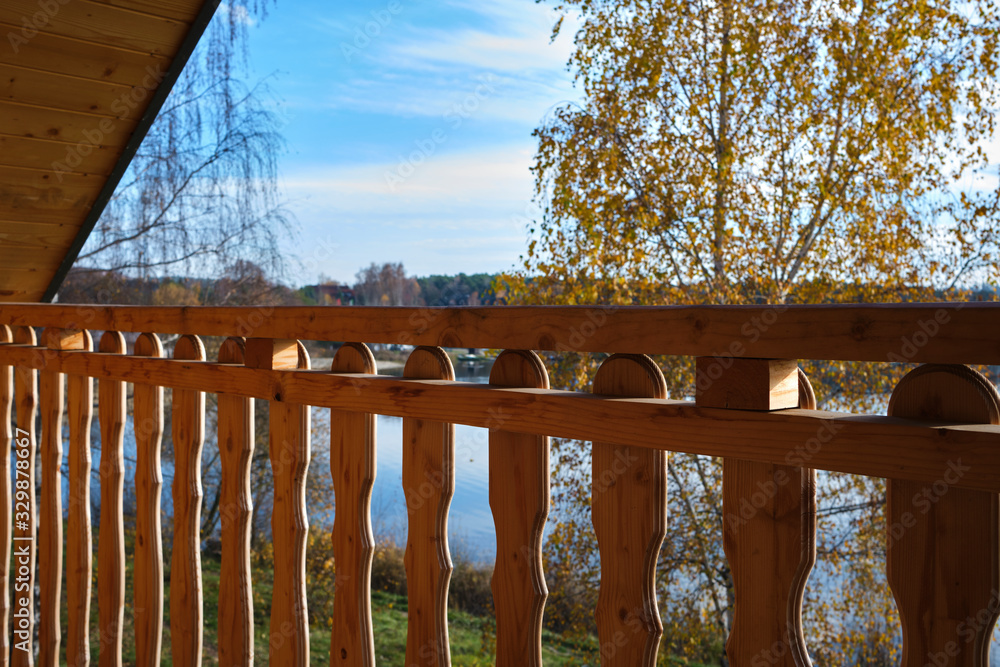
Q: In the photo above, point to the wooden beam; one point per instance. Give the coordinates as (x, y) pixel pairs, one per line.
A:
(931, 332)
(858, 444)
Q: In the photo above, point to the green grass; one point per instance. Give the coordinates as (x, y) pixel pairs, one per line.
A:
(471, 637)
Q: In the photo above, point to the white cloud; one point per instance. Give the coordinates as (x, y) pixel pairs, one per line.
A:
(422, 71)
(458, 212)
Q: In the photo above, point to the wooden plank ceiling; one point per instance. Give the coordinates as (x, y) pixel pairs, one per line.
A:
(80, 83)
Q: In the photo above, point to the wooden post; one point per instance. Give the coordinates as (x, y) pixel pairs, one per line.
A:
(630, 520)
(942, 542)
(769, 516)
(79, 541)
(188, 430)
(289, 453)
(111, 541)
(428, 485)
(236, 446)
(147, 418)
(50, 543)
(352, 464)
(6, 437)
(519, 498)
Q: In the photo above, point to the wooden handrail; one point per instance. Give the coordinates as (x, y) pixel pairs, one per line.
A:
(949, 333)
(748, 416)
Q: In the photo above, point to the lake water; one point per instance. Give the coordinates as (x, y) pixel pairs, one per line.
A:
(470, 521)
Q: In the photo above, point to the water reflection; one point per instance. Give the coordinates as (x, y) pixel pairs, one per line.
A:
(470, 522)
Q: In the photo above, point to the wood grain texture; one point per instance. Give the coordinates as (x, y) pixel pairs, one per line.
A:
(352, 465)
(272, 354)
(629, 482)
(942, 544)
(236, 447)
(31, 152)
(6, 438)
(860, 332)
(26, 120)
(769, 536)
(179, 10)
(842, 442)
(519, 499)
(188, 431)
(86, 60)
(103, 24)
(26, 403)
(79, 539)
(111, 539)
(428, 485)
(59, 92)
(747, 384)
(50, 528)
(289, 430)
(147, 417)
(35, 196)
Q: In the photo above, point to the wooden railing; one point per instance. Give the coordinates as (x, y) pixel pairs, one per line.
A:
(754, 407)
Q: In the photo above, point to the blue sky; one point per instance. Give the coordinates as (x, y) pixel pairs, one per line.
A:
(409, 128)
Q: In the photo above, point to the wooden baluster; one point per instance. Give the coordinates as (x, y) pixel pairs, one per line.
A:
(50, 545)
(188, 431)
(769, 516)
(352, 464)
(630, 520)
(236, 446)
(79, 542)
(6, 437)
(942, 560)
(26, 400)
(519, 498)
(289, 454)
(111, 541)
(147, 418)
(428, 485)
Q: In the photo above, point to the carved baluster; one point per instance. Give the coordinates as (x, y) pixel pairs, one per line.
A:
(236, 446)
(188, 430)
(79, 541)
(519, 498)
(289, 452)
(769, 516)
(352, 463)
(942, 542)
(111, 542)
(147, 419)
(630, 520)
(428, 485)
